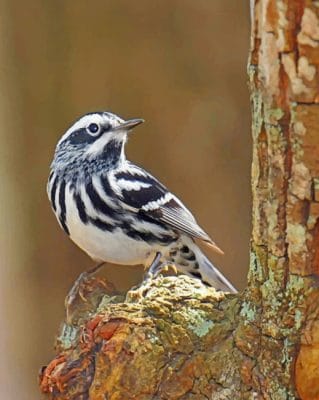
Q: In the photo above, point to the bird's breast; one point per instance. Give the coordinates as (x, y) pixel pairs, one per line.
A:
(104, 239)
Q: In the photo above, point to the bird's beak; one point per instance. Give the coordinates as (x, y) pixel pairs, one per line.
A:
(128, 125)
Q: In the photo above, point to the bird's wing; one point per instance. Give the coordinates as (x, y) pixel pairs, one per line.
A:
(141, 192)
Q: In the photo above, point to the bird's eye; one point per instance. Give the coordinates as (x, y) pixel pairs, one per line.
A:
(93, 128)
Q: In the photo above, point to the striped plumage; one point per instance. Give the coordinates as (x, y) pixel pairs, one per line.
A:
(116, 211)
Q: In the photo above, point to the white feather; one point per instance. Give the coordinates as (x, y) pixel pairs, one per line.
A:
(153, 205)
(124, 184)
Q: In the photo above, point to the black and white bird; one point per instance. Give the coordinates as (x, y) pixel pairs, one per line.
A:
(116, 211)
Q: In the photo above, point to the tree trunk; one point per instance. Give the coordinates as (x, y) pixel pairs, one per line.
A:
(176, 339)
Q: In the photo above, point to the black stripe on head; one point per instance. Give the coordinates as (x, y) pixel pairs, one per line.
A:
(62, 206)
(53, 192)
(80, 207)
(97, 202)
(81, 136)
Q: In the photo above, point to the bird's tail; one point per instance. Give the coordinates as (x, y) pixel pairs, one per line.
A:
(212, 275)
(199, 266)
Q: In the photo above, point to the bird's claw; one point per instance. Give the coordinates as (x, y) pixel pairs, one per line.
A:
(80, 287)
(155, 272)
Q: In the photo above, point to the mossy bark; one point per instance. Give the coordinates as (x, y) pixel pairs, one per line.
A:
(167, 340)
(284, 80)
(177, 339)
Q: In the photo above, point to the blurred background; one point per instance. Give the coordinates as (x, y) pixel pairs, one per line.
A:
(180, 65)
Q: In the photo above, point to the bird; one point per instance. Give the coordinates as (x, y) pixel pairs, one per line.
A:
(116, 211)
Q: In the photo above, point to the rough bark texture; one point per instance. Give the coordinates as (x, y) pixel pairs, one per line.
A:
(176, 339)
(284, 80)
(167, 340)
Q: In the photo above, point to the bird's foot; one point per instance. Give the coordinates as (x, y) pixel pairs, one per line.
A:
(77, 288)
(156, 268)
(139, 292)
(159, 269)
(82, 288)
(153, 271)
(167, 267)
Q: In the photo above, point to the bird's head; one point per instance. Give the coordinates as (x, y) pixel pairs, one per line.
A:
(95, 136)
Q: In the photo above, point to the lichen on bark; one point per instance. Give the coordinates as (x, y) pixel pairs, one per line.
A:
(174, 338)
(284, 81)
(170, 339)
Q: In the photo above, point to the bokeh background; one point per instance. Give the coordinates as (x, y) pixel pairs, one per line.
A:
(179, 64)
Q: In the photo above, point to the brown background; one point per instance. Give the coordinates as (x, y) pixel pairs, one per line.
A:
(181, 65)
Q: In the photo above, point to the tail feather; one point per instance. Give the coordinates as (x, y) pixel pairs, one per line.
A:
(213, 276)
(193, 262)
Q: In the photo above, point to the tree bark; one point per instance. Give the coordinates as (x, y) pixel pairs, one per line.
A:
(177, 339)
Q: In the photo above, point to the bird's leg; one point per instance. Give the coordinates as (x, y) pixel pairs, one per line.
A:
(154, 268)
(77, 288)
(156, 265)
(95, 269)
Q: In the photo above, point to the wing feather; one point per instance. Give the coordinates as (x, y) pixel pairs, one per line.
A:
(178, 217)
(158, 203)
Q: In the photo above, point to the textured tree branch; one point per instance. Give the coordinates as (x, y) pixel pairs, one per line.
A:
(171, 337)
(180, 340)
